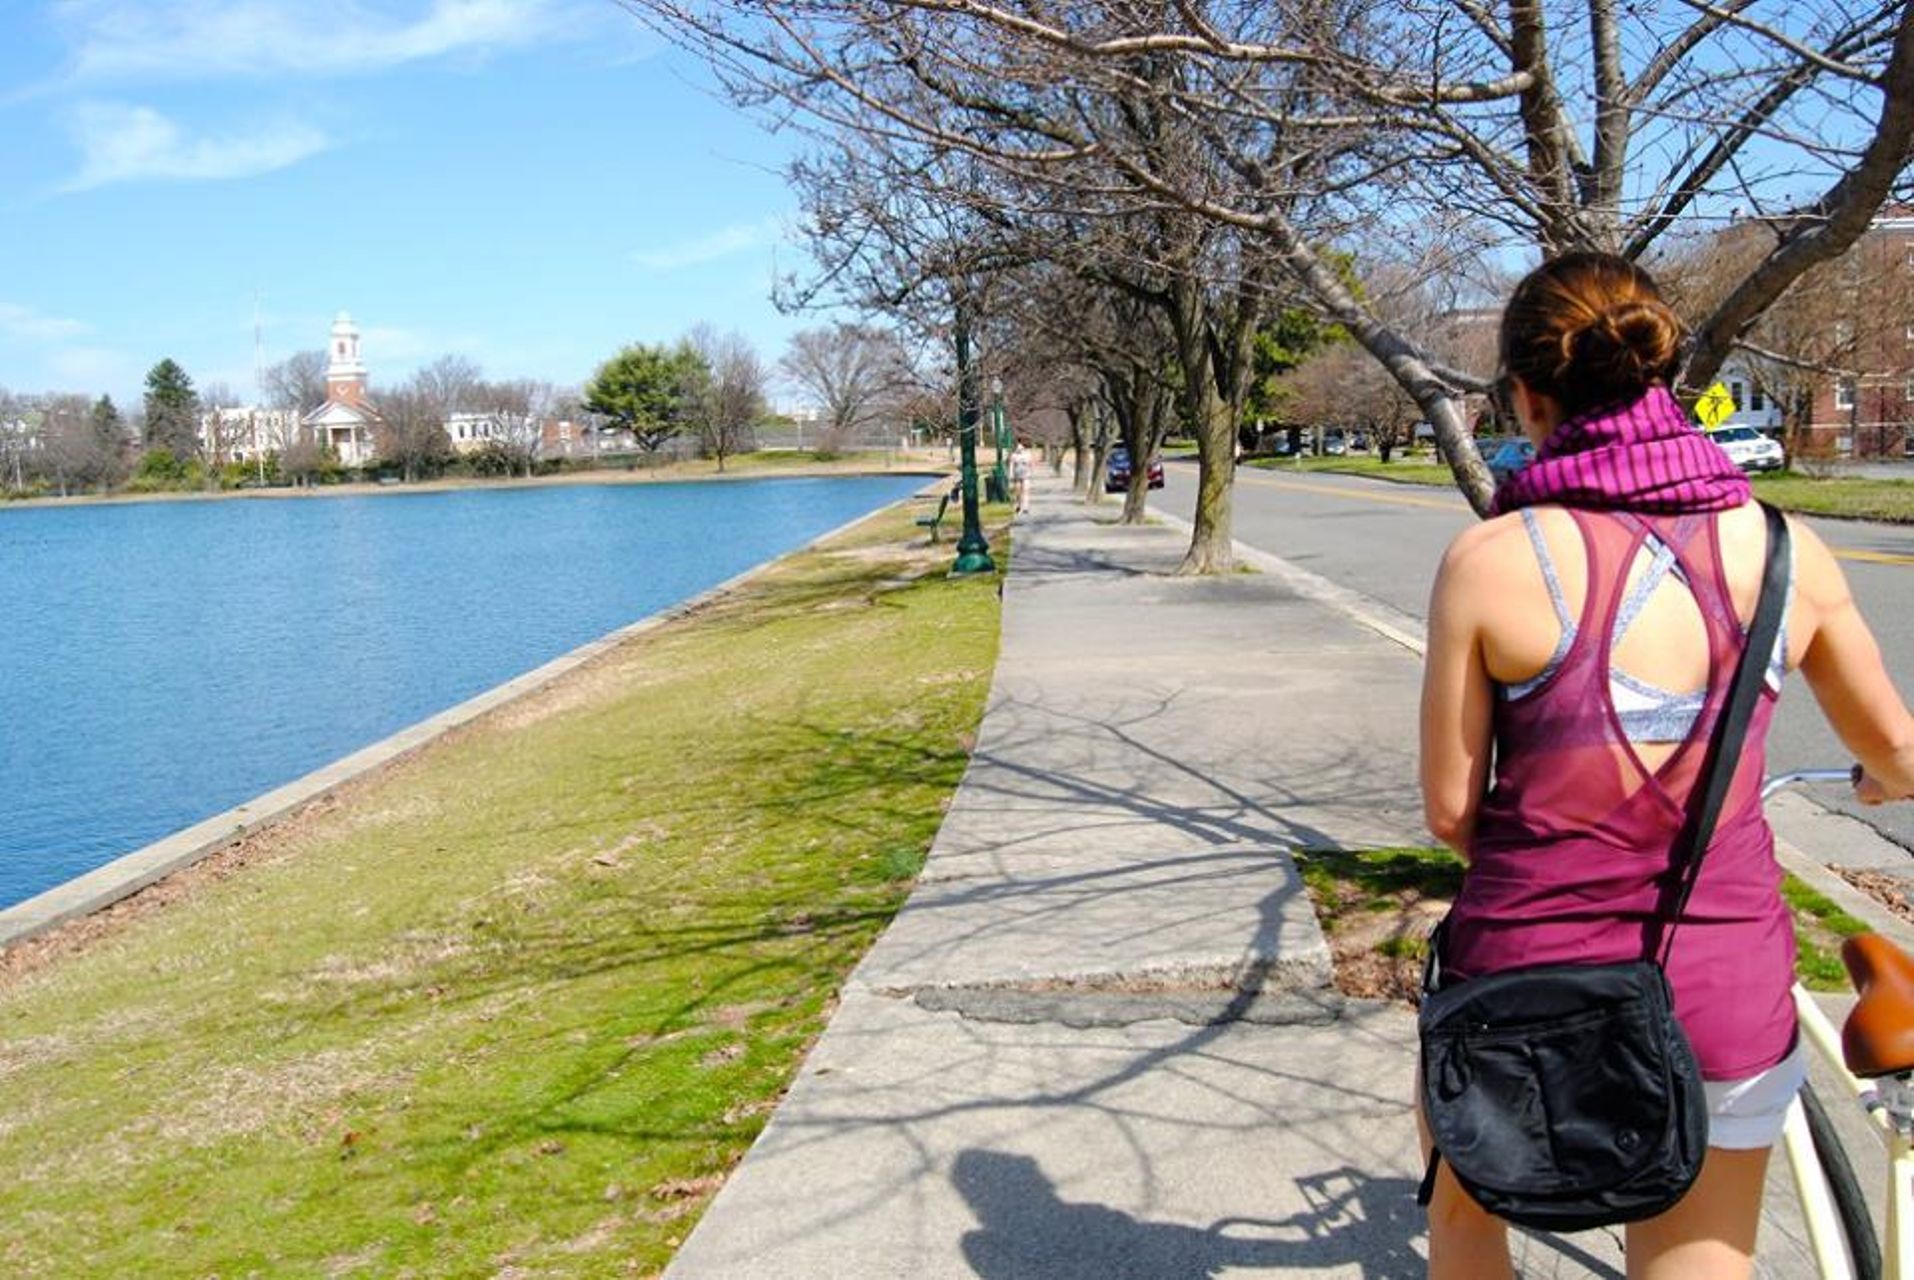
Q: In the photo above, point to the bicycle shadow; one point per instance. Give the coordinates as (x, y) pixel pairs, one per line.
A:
(1352, 1219)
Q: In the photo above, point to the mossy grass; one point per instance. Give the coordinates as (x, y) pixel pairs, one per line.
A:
(515, 1005)
(1357, 891)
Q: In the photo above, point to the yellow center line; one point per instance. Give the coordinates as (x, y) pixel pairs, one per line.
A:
(1337, 491)
(1404, 500)
(1871, 557)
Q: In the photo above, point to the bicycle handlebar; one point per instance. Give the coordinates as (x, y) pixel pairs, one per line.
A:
(1775, 782)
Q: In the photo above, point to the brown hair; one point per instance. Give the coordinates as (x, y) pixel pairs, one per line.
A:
(1590, 329)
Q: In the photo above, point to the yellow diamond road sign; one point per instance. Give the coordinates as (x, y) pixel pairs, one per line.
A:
(1714, 406)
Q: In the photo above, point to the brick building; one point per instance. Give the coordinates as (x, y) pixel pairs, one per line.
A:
(1847, 387)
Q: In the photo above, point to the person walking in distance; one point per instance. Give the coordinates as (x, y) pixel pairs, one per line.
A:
(1020, 477)
(1581, 643)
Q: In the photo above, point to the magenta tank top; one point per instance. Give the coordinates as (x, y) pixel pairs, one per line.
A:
(1576, 835)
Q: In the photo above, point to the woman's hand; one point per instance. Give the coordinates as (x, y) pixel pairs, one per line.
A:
(1869, 789)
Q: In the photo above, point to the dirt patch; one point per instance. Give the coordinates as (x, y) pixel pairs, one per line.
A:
(1378, 908)
(1889, 891)
(1379, 953)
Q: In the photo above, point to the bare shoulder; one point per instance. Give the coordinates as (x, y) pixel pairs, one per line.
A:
(1484, 545)
(1478, 561)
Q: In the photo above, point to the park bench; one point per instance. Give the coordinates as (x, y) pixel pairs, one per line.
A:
(932, 521)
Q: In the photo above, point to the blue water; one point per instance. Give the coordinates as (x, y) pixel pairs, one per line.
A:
(161, 662)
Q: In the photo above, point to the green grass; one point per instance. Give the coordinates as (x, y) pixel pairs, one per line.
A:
(1843, 497)
(517, 1004)
(1846, 497)
(1349, 886)
(1410, 469)
(1819, 927)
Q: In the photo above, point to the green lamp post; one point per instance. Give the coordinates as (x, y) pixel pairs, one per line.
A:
(973, 553)
(998, 490)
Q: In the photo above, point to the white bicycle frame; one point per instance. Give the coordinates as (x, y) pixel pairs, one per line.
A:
(1890, 1108)
(1889, 1103)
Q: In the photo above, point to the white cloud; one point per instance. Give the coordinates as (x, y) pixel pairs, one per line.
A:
(24, 324)
(196, 39)
(723, 243)
(121, 143)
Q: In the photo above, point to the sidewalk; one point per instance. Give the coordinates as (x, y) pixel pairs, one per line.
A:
(1098, 1041)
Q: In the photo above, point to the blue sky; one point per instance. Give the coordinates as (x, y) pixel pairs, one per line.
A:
(530, 183)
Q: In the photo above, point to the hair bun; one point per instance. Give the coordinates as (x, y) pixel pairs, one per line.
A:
(1623, 348)
(1589, 329)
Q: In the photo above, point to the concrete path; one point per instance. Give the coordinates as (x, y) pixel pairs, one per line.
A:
(1098, 1041)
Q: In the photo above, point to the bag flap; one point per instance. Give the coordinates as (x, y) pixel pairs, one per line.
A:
(1580, 1099)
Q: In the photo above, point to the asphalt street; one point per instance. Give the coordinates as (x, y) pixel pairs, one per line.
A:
(1384, 540)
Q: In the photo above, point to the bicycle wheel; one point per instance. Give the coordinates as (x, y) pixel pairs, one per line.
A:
(1857, 1224)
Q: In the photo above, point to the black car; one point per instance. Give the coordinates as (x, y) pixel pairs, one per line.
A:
(1116, 471)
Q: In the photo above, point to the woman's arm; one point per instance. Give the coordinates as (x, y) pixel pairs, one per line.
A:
(1843, 666)
(1457, 696)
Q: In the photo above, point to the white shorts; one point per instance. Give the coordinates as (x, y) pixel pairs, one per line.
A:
(1746, 1114)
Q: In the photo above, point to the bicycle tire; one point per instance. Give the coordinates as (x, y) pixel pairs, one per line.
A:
(1857, 1223)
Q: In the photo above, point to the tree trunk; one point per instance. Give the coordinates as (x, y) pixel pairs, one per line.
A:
(1212, 547)
(1093, 479)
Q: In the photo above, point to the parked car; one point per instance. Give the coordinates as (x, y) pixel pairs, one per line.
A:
(1335, 445)
(1509, 457)
(1288, 448)
(1116, 471)
(1748, 448)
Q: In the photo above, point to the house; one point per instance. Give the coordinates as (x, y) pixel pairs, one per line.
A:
(246, 433)
(470, 432)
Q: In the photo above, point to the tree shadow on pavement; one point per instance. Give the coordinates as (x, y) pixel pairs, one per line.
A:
(1026, 1229)
(1351, 1220)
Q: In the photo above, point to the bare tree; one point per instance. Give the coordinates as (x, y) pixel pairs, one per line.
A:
(19, 434)
(224, 429)
(450, 383)
(297, 383)
(1443, 135)
(411, 428)
(854, 374)
(69, 453)
(518, 410)
(731, 403)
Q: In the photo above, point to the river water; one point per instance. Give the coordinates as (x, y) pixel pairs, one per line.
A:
(163, 661)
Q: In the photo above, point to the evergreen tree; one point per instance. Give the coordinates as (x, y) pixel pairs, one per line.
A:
(172, 410)
(650, 391)
(109, 433)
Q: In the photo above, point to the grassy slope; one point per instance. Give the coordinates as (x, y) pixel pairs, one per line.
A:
(515, 1003)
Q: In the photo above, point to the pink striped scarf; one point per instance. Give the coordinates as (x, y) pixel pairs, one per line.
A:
(1644, 456)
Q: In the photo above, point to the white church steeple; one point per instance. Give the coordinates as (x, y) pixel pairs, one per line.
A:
(345, 371)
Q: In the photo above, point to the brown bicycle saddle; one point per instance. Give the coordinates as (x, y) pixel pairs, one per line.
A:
(1878, 1037)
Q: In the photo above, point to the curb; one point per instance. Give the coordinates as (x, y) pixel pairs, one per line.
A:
(1385, 620)
(131, 872)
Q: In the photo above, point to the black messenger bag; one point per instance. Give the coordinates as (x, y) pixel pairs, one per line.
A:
(1566, 1097)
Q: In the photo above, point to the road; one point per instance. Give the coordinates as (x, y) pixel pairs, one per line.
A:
(1385, 540)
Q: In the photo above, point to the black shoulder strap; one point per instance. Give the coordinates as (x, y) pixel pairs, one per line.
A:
(1731, 726)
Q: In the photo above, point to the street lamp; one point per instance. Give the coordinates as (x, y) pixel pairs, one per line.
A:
(999, 477)
(973, 553)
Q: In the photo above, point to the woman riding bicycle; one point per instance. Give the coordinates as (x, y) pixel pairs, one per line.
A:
(1581, 644)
